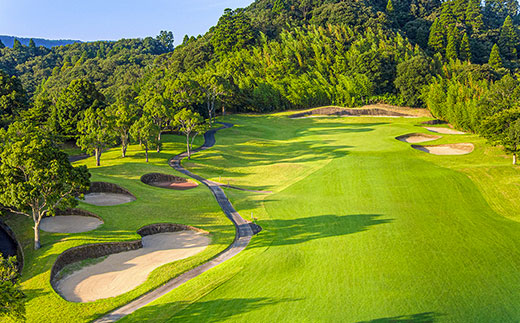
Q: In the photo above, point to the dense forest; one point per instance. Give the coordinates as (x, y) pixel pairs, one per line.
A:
(457, 58)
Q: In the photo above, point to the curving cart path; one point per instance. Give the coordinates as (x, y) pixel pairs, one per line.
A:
(242, 237)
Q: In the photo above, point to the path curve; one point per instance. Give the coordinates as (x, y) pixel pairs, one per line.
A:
(242, 237)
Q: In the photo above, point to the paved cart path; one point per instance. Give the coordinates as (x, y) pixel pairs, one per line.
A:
(242, 237)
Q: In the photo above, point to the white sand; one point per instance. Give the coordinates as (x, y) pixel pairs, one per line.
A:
(70, 224)
(446, 131)
(122, 272)
(107, 199)
(450, 149)
(415, 138)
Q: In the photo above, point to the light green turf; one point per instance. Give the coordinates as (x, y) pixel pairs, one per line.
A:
(195, 207)
(360, 227)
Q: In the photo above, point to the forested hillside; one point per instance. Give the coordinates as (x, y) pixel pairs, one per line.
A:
(453, 57)
(48, 43)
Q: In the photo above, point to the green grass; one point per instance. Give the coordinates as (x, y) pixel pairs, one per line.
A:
(195, 207)
(360, 227)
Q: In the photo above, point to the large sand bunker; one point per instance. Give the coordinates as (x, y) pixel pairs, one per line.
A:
(414, 138)
(69, 224)
(168, 181)
(448, 149)
(446, 131)
(375, 110)
(122, 272)
(107, 194)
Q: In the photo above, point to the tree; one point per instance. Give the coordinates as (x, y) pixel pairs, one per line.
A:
(495, 60)
(95, 133)
(36, 177)
(508, 40)
(465, 49)
(17, 45)
(412, 75)
(233, 31)
(451, 48)
(32, 45)
(503, 128)
(145, 131)
(123, 115)
(189, 123)
(12, 299)
(166, 39)
(73, 101)
(474, 15)
(436, 40)
(13, 98)
(212, 85)
(389, 7)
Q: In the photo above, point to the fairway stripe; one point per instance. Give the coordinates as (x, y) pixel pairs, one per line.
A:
(242, 237)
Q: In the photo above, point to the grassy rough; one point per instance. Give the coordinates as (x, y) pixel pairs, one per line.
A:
(360, 227)
(196, 207)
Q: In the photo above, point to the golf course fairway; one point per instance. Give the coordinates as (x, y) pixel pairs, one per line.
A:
(360, 227)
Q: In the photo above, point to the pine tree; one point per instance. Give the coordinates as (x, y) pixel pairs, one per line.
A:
(447, 18)
(17, 45)
(465, 49)
(495, 60)
(436, 40)
(32, 45)
(2, 44)
(459, 10)
(451, 48)
(508, 39)
(474, 15)
(389, 7)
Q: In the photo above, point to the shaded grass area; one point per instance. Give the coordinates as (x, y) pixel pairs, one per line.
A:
(196, 207)
(360, 228)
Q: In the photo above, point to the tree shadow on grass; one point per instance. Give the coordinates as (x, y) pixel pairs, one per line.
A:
(426, 317)
(208, 311)
(294, 231)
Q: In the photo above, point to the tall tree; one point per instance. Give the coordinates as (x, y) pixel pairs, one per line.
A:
(495, 60)
(73, 101)
(451, 47)
(465, 49)
(145, 131)
(189, 123)
(95, 133)
(13, 98)
(166, 39)
(122, 115)
(503, 128)
(36, 177)
(436, 40)
(233, 31)
(508, 40)
(474, 15)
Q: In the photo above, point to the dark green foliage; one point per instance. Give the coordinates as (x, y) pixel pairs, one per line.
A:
(451, 47)
(233, 31)
(12, 299)
(13, 99)
(166, 39)
(503, 129)
(464, 48)
(17, 46)
(436, 41)
(508, 40)
(412, 75)
(495, 60)
(73, 101)
(473, 15)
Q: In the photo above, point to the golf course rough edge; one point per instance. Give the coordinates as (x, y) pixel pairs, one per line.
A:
(243, 233)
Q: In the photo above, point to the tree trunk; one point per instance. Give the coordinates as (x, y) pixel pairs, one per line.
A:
(212, 115)
(514, 159)
(146, 151)
(98, 156)
(158, 147)
(37, 243)
(223, 109)
(188, 145)
(124, 146)
(209, 108)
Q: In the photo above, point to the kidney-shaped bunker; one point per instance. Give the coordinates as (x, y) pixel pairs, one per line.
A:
(168, 181)
(107, 194)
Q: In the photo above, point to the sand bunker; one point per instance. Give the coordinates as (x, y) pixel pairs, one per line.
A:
(168, 181)
(70, 223)
(446, 131)
(449, 149)
(107, 194)
(122, 272)
(414, 138)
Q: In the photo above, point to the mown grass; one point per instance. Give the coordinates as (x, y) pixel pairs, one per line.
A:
(360, 227)
(195, 207)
